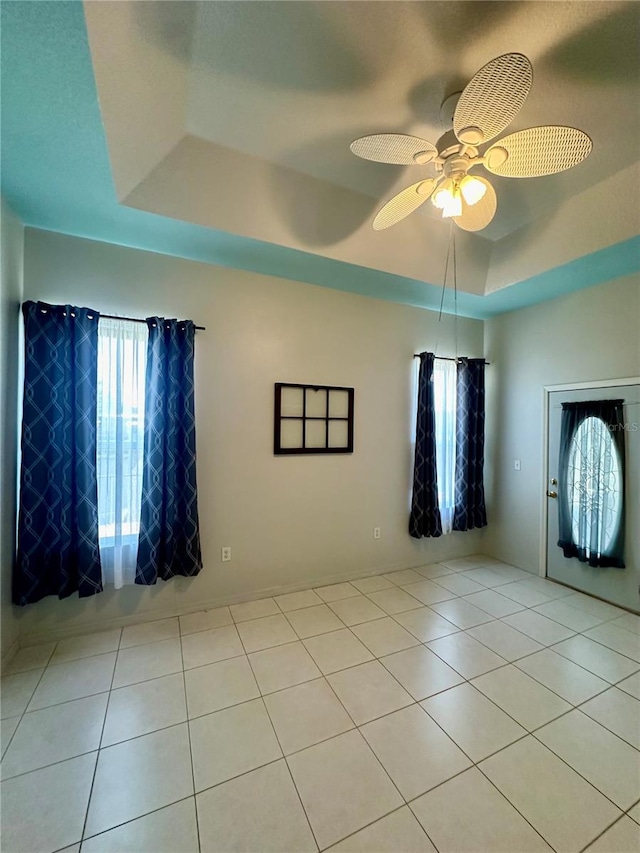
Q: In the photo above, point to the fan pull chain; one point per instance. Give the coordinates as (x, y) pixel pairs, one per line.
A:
(455, 296)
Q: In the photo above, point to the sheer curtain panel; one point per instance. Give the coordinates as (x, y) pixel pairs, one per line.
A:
(122, 357)
(444, 388)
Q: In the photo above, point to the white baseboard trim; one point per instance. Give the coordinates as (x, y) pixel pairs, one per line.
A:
(34, 638)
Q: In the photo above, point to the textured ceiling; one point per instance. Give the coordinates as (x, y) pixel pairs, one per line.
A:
(295, 83)
(219, 131)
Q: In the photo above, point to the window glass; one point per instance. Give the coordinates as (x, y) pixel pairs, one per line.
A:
(594, 486)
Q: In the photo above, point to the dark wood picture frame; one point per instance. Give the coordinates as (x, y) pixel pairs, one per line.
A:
(322, 441)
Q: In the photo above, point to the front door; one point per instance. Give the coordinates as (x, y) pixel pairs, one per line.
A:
(618, 586)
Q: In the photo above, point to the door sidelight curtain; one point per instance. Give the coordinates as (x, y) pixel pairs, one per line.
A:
(425, 517)
(169, 539)
(591, 482)
(58, 550)
(470, 508)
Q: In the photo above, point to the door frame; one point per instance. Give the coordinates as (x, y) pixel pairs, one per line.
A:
(549, 389)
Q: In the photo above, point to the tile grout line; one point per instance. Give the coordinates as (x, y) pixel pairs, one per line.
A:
(355, 728)
(131, 820)
(475, 764)
(609, 685)
(380, 658)
(377, 658)
(544, 646)
(28, 702)
(284, 757)
(394, 615)
(324, 677)
(308, 681)
(371, 823)
(456, 571)
(527, 733)
(446, 734)
(564, 761)
(606, 829)
(95, 766)
(186, 710)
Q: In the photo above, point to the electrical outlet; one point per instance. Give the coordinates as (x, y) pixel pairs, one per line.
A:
(376, 532)
(226, 553)
(516, 464)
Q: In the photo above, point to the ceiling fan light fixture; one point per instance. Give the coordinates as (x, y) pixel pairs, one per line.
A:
(480, 113)
(472, 189)
(453, 205)
(443, 195)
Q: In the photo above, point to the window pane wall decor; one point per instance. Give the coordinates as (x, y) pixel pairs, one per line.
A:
(312, 419)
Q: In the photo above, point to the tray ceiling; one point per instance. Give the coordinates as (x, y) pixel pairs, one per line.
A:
(235, 118)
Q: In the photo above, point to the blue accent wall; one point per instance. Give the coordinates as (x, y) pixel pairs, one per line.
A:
(56, 176)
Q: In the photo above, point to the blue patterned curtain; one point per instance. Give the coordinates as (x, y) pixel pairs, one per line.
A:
(470, 508)
(591, 474)
(169, 541)
(58, 550)
(425, 517)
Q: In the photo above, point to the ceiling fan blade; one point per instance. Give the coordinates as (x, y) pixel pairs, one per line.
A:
(538, 151)
(477, 216)
(404, 203)
(492, 98)
(394, 148)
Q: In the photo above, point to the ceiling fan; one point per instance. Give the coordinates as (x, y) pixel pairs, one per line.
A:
(490, 101)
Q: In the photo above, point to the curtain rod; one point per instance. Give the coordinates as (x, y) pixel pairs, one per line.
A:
(139, 320)
(443, 358)
(115, 317)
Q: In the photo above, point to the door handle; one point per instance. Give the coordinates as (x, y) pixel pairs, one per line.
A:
(552, 494)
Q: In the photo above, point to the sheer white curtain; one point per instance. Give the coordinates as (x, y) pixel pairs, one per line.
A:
(444, 387)
(122, 357)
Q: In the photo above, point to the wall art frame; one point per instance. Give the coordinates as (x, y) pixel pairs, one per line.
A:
(312, 419)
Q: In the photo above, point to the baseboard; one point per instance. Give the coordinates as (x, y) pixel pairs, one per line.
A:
(34, 638)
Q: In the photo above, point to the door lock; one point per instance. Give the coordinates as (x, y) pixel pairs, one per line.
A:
(552, 494)
(554, 482)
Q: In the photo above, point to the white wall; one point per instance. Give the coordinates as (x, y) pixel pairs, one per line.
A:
(588, 335)
(11, 255)
(290, 521)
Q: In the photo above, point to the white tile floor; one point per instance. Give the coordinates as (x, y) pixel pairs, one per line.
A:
(463, 706)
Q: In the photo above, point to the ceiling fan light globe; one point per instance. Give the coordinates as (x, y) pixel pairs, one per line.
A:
(453, 207)
(472, 189)
(439, 199)
(443, 195)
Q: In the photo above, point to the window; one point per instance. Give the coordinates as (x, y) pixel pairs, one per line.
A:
(122, 355)
(444, 391)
